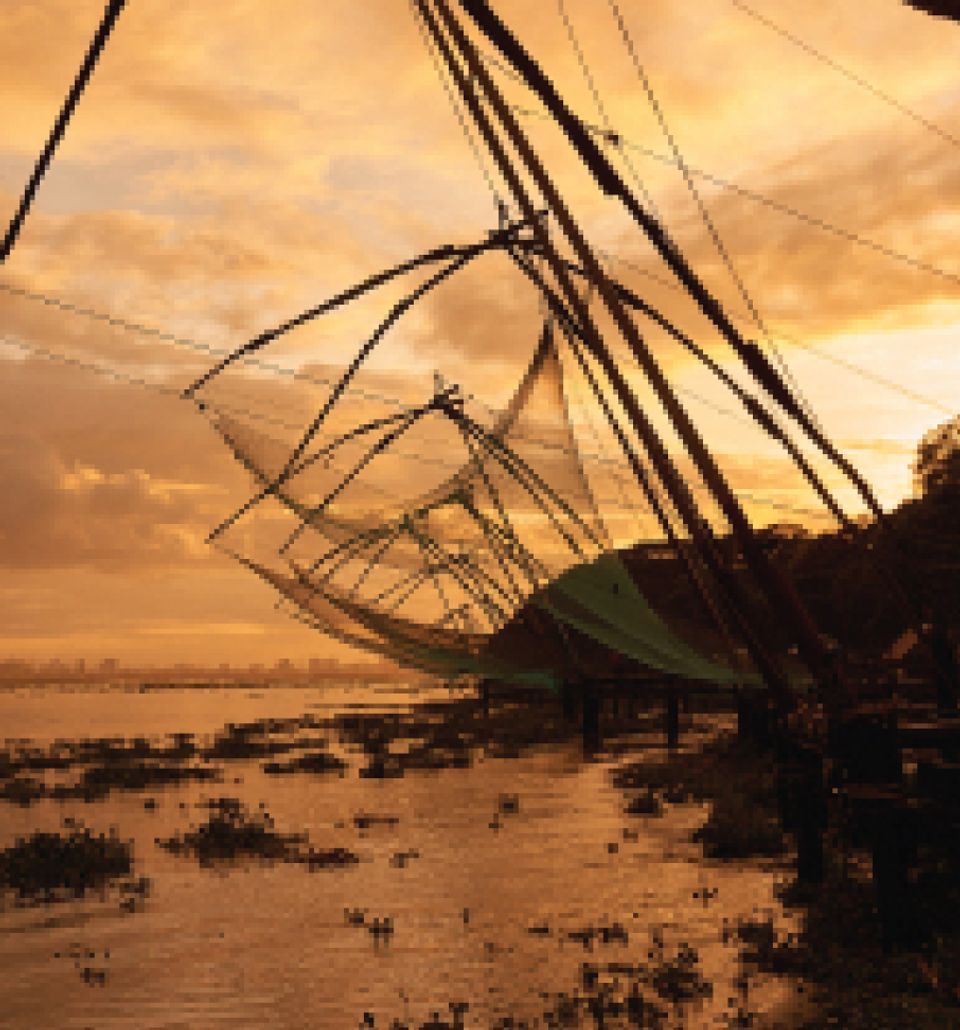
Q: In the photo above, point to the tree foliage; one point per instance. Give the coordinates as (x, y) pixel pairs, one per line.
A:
(937, 465)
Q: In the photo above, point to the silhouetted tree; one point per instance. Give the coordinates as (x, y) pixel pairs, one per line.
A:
(937, 465)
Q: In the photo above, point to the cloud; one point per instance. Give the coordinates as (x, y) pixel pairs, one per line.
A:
(104, 475)
(221, 175)
(60, 515)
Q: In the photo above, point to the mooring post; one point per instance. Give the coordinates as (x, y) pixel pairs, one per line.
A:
(811, 820)
(803, 805)
(673, 720)
(615, 705)
(591, 720)
(569, 700)
(483, 695)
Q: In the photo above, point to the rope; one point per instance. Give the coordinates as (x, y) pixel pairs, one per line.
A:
(701, 206)
(601, 108)
(846, 73)
(457, 110)
(623, 142)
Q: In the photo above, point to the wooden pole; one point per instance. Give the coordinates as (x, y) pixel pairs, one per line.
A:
(673, 720)
(679, 493)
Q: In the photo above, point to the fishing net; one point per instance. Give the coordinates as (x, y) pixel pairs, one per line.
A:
(421, 530)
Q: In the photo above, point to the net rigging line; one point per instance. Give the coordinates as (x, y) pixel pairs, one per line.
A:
(97, 44)
(495, 239)
(127, 379)
(600, 106)
(443, 253)
(705, 217)
(190, 344)
(458, 111)
(610, 182)
(233, 409)
(59, 357)
(808, 48)
(768, 578)
(760, 415)
(622, 142)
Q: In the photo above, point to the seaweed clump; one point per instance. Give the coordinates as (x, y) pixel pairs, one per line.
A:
(56, 866)
(739, 785)
(739, 828)
(233, 832)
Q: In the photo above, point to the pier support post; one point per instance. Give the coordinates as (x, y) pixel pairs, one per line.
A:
(591, 720)
(673, 720)
(753, 720)
(947, 674)
(570, 700)
(483, 695)
(809, 834)
(893, 846)
(803, 807)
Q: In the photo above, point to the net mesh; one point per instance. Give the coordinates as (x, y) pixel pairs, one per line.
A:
(479, 571)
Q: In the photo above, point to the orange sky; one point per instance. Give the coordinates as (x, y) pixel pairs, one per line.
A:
(222, 172)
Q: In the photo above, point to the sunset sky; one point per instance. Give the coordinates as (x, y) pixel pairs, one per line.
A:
(232, 164)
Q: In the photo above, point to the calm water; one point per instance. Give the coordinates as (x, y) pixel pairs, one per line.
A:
(269, 946)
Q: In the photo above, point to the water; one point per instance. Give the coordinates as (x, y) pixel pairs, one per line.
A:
(269, 946)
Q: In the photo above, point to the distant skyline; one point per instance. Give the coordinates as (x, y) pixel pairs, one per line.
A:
(14, 672)
(222, 174)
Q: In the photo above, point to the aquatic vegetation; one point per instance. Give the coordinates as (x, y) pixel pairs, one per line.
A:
(311, 762)
(588, 935)
(737, 827)
(103, 765)
(23, 790)
(738, 785)
(83, 962)
(98, 780)
(401, 859)
(249, 740)
(234, 832)
(645, 803)
(379, 927)
(364, 820)
(51, 866)
(677, 978)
